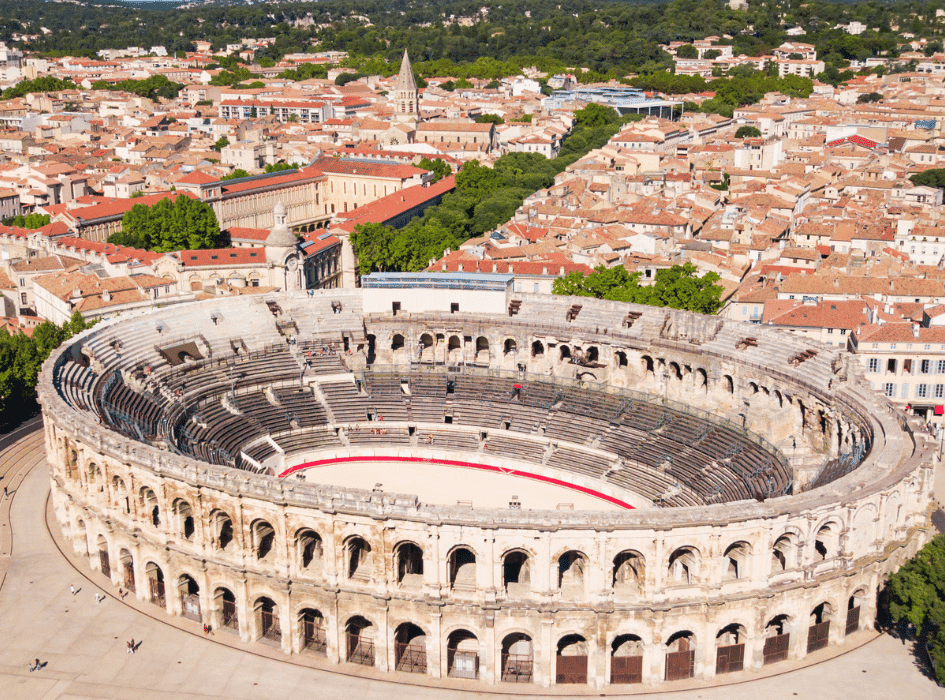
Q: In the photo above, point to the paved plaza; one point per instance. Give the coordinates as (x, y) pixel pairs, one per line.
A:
(84, 643)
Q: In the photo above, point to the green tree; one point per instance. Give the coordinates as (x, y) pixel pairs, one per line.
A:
(868, 97)
(221, 143)
(236, 175)
(178, 224)
(439, 167)
(595, 115)
(478, 180)
(30, 221)
(489, 119)
(934, 177)
(711, 54)
(747, 132)
(372, 246)
(687, 51)
(279, 167)
(43, 84)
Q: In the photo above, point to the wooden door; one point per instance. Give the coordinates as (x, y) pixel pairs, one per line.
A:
(626, 669)
(776, 648)
(571, 669)
(730, 658)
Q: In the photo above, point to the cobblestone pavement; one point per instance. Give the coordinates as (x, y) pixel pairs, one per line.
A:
(84, 643)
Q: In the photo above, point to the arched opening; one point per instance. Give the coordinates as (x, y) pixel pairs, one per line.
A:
(264, 537)
(626, 662)
(312, 630)
(397, 345)
(683, 566)
(854, 607)
(221, 527)
(226, 608)
(592, 354)
(620, 358)
(674, 371)
(454, 348)
(517, 658)
(680, 656)
(628, 573)
(127, 564)
(120, 493)
(702, 379)
(736, 561)
(482, 350)
(149, 505)
(184, 518)
(102, 546)
(462, 568)
(826, 542)
(730, 649)
(155, 584)
(267, 620)
(95, 478)
(189, 593)
(647, 365)
(409, 564)
(564, 353)
(784, 553)
(358, 559)
(462, 655)
(410, 649)
(371, 349)
(779, 398)
(538, 350)
(426, 348)
(729, 384)
(818, 634)
(777, 639)
(81, 538)
(571, 660)
(359, 641)
(309, 546)
(510, 347)
(516, 573)
(572, 567)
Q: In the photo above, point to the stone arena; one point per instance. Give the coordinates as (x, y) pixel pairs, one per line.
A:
(543, 490)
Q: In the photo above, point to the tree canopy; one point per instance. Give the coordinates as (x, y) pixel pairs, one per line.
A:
(439, 167)
(747, 132)
(32, 221)
(21, 358)
(45, 83)
(917, 595)
(678, 287)
(152, 88)
(934, 177)
(182, 223)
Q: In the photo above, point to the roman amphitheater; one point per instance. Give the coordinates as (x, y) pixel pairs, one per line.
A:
(440, 475)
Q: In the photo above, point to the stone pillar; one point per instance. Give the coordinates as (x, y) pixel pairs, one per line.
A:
(489, 651)
(435, 658)
(544, 651)
(334, 633)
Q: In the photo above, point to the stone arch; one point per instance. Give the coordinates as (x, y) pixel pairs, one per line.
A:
(647, 365)
(312, 636)
(359, 560)
(510, 347)
(221, 529)
(629, 572)
(779, 397)
(784, 552)
(81, 538)
(156, 591)
(683, 566)
(538, 349)
(856, 603)
(736, 558)
(571, 654)
(263, 539)
(410, 648)
(189, 592)
(818, 632)
(517, 658)
(225, 605)
(572, 571)
(730, 648)
(680, 655)
(398, 347)
(620, 359)
(826, 540)
(516, 571)
(592, 354)
(777, 635)
(101, 546)
(183, 518)
(564, 353)
(310, 549)
(454, 348)
(462, 654)
(626, 659)
(408, 564)
(893, 514)
(728, 383)
(126, 568)
(149, 503)
(461, 565)
(864, 529)
(266, 619)
(701, 379)
(674, 371)
(359, 640)
(483, 352)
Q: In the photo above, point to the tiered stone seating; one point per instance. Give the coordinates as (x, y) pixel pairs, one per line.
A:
(515, 448)
(303, 405)
(347, 405)
(362, 435)
(448, 439)
(307, 439)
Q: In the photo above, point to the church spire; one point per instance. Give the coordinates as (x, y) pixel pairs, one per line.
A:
(405, 80)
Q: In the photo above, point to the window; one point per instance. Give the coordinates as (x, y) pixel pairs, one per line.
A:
(904, 394)
(922, 391)
(889, 389)
(830, 331)
(940, 367)
(925, 366)
(873, 364)
(939, 391)
(23, 298)
(907, 366)
(891, 366)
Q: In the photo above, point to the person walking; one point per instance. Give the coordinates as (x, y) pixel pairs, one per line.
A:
(131, 647)
(99, 597)
(72, 589)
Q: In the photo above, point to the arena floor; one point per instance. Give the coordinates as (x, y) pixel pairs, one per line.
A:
(451, 482)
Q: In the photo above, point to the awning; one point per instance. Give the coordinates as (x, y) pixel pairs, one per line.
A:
(939, 410)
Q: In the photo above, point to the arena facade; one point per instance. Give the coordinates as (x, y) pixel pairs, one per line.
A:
(719, 496)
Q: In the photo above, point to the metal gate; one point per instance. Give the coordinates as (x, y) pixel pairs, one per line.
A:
(626, 669)
(313, 636)
(517, 668)
(571, 669)
(730, 658)
(103, 562)
(462, 664)
(190, 606)
(228, 616)
(853, 620)
(679, 664)
(129, 576)
(411, 658)
(157, 592)
(776, 648)
(269, 626)
(818, 636)
(360, 651)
